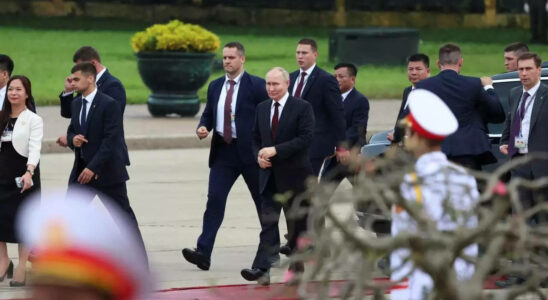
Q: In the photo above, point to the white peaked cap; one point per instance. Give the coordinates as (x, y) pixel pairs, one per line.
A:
(78, 243)
(429, 116)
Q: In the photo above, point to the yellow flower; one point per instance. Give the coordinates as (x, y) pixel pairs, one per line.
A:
(175, 36)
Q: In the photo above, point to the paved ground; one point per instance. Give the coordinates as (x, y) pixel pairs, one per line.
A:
(145, 132)
(168, 193)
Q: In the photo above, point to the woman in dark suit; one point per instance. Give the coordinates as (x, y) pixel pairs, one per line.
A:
(20, 144)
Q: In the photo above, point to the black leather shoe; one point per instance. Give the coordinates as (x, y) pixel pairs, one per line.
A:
(17, 283)
(261, 276)
(194, 256)
(510, 281)
(285, 250)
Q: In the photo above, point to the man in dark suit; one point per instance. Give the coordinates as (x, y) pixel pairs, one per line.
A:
(106, 83)
(229, 113)
(474, 103)
(356, 113)
(284, 128)
(418, 68)
(320, 88)
(526, 126)
(524, 133)
(94, 134)
(6, 69)
(538, 20)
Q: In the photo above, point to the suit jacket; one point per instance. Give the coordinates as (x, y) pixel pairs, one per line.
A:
(322, 91)
(538, 130)
(251, 92)
(356, 113)
(103, 153)
(473, 107)
(291, 164)
(402, 113)
(110, 86)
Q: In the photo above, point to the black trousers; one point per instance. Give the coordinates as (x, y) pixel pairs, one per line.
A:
(117, 194)
(529, 198)
(270, 216)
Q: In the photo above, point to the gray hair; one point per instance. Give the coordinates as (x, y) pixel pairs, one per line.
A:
(284, 73)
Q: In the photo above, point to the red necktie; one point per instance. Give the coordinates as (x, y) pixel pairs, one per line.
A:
(275, 120)
(300, 86)
(227, 126)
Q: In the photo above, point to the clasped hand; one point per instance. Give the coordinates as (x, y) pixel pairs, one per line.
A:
(264, 157)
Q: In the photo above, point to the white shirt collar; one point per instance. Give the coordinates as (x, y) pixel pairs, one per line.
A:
(282, 101)
(236, 80)
(533, 90)
(2, 96)
(98, 76)
(345, 94)
(309, 70)
(91, 96)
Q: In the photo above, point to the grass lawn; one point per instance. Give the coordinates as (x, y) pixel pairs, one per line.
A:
(42, 49)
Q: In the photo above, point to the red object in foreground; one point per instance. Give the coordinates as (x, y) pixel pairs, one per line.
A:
(276, 291)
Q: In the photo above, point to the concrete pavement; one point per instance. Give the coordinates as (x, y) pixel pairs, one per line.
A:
(144, 132)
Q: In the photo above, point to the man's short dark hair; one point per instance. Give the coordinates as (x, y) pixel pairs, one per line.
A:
(86, 68)
(312, 43)
(86, 53)
(518, 48)
(352, 70)
(449, 54)
(6, 64)
(419, 57)
(530, 55)
(239, 47)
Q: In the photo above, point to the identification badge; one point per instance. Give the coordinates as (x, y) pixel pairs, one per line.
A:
(6, 136)
(520, 143)
(232, 117)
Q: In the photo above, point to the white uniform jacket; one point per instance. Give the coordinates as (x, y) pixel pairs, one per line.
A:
(28, 132)
(435, 184)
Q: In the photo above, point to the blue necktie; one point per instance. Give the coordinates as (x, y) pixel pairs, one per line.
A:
(515, 126)
(83, 116)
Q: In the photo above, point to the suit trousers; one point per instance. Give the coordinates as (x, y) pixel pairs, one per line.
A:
(529, 198)
(225, 169)
(270, 235)
(538, 21)
(117, 194)
(467, 161)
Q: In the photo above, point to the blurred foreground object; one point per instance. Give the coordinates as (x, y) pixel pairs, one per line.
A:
(82, 251)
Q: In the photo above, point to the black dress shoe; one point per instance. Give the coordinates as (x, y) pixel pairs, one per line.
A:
(285, 250)
(17, 283)
(261, 276)
(196, 257)
(510, 281)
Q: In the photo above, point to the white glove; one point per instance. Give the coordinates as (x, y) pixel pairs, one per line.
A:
(526, 7)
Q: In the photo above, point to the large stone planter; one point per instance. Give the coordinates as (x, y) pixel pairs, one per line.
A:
(174, 79)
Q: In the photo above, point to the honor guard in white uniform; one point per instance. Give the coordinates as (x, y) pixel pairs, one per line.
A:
(82, 251)
(445, 191)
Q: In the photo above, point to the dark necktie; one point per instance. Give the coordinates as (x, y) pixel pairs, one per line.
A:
(227, 126)
(516, 125)
(275, 118)
(300, 86)
(83, 115)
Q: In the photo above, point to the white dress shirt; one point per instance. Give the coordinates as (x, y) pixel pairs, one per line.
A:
(526, 122)
(89, 99)
(2, 96)
(308, 72)
(345, 94)
(280, 108)
(221, 105)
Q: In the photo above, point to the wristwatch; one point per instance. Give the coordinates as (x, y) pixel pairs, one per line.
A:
(31, 172)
